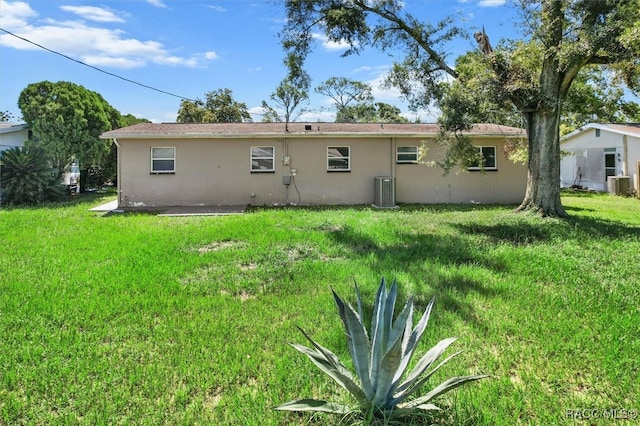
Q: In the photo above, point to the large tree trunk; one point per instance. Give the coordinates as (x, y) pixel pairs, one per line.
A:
(543, 132)
(543, 179)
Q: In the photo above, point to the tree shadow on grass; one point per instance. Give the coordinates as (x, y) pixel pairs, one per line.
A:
(578, 209)
(594, 228)
(519, 234)
(522, 234)
(432, 262)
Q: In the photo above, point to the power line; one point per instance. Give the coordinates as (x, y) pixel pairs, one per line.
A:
(96, 68)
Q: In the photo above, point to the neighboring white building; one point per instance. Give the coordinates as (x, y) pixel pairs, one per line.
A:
(597, 152)
(12, 135)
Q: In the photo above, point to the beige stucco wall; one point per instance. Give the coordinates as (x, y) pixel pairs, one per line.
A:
(217, 172)
(419, 183)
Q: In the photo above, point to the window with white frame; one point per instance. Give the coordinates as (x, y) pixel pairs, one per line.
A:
(338, 159)
(163, 160)
(263, 159)
(489, 160)
(407, 154)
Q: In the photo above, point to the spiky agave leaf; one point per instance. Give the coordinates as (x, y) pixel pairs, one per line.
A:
(443, 388)
(385, 373)
(413, 340)
(358, 343)
(329, 363)
(381, 363)
(416, 377)
(358, 301)
(314, 405)
(402, 330)
(401, 412)
(377, 333)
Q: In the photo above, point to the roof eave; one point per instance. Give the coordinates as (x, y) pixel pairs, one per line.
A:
(296, 135)
(599, 126)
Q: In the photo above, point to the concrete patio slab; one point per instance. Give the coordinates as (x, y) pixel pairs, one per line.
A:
(112, 206)
(203, 210)
(107, 207)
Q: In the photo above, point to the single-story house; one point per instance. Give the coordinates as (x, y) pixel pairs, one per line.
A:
(602, 157)
(179, 164)
(12, 135)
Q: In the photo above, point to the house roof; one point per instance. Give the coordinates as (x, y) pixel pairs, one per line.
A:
(12, 127)
(235, 130)
(629, 129)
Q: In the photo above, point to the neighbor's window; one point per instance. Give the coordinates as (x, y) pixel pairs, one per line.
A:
(263, 158)
(163, 160)
(488, 159)
(406, 154)
(338, 159)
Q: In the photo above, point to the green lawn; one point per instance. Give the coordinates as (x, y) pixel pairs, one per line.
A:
(139, 319)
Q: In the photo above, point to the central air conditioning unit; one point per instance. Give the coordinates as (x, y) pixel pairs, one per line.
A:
(385, 191)
(618, 185)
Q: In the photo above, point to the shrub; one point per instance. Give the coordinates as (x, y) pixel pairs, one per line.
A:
(27, 177)
(380, 358)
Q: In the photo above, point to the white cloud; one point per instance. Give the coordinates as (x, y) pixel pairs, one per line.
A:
(93, 13)
(330, 45)
(109, 61)
(257, 113)
(491, 3)
(91, 44)
(217, 8)
(381, 93)
(156, 3)
(376, 76)
(15, 14)
(321, 116)
(423, 116)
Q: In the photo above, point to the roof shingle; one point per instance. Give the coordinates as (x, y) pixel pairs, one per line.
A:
(203, 130)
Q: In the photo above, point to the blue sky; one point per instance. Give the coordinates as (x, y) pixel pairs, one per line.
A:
(190, 47)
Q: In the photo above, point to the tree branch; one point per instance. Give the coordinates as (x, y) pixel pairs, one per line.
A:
(411, 32)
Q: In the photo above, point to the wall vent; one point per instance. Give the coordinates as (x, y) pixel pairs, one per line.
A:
(385, 191)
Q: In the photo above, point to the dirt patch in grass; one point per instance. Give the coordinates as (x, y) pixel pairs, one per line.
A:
(242, 295)
(218, 245)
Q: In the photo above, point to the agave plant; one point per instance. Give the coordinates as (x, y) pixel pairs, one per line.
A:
(381, 358)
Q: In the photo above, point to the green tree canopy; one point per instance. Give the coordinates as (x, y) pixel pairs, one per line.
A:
(596, 95)
(292, 94)
(345, 92)
(378, 112)
(67, 120)
(567, 34)
(217, 107)
(130, 120)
